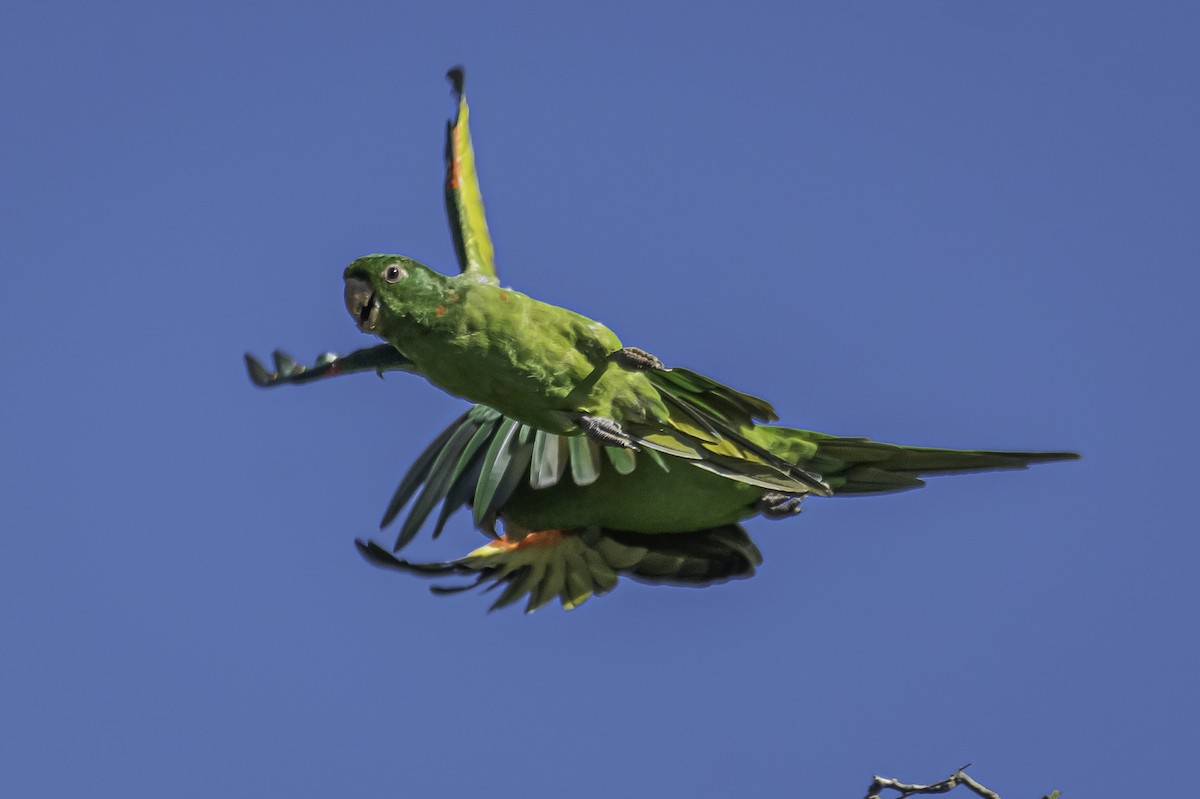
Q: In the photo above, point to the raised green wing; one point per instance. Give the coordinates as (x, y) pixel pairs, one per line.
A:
(464, 201)
(709, 426)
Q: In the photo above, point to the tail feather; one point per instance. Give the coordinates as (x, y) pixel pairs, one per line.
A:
(858, 465)
(872, 480)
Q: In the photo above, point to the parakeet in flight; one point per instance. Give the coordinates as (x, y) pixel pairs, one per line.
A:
(663, 463)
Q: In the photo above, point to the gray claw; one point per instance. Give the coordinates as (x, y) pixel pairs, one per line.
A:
(777, 505)
(605, 431)
(637, 358)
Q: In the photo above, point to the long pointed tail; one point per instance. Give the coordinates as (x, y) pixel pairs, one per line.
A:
(862, 466)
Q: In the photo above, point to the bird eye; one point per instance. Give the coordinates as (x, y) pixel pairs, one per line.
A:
(394, 273)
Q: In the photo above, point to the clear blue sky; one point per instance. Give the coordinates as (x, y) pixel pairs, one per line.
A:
(940, 223)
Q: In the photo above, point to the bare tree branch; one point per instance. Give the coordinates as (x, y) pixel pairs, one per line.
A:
(959, 777)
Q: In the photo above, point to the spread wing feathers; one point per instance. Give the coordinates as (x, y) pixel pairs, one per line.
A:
(707, 425)
(716, 398)
(464, 201)
(576, 566)
(700, 558)
(859, 465)
(380, 358)
(480, 459)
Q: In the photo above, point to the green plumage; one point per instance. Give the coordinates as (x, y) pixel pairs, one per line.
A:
(554, 370)
(651, 500)
(674, 525)
(596, 460)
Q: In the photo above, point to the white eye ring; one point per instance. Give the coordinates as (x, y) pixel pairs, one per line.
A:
(394, 273)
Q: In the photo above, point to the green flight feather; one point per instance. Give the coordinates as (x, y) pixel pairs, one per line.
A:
(462, 490)
(504, 466)
(623, 460)
(621, 556)
(438, 481)
(549, 459)
(736, 456)
(604, 577)
(522, 581)
(497, 459)
(469, 468)
(585, 460)
(519, 454)
(658, 459)
(577, 586)
(417, 473)
(552, 583)
(721, 400)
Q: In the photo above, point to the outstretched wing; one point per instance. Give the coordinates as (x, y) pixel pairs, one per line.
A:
(575, 566)
(711, 425)
(464, 202)
(480, 459)
(379, 359)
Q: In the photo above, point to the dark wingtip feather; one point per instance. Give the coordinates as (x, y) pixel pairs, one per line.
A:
(699, 558)
(372, 551)
(438, 481)
(259, 375)
(285, 365)
(417, 473)
(457, 77)
(378, 556)
(1050, 457)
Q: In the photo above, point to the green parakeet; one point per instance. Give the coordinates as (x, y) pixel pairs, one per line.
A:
(593, 409)
(561, 372)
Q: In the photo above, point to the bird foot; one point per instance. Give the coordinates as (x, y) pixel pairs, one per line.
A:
(605, 431)
(777, 505)
(637, 358)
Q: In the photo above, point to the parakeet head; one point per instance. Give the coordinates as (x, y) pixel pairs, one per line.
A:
(383, 288)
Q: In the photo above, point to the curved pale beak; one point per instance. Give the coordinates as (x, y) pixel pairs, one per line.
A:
(361, 303)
